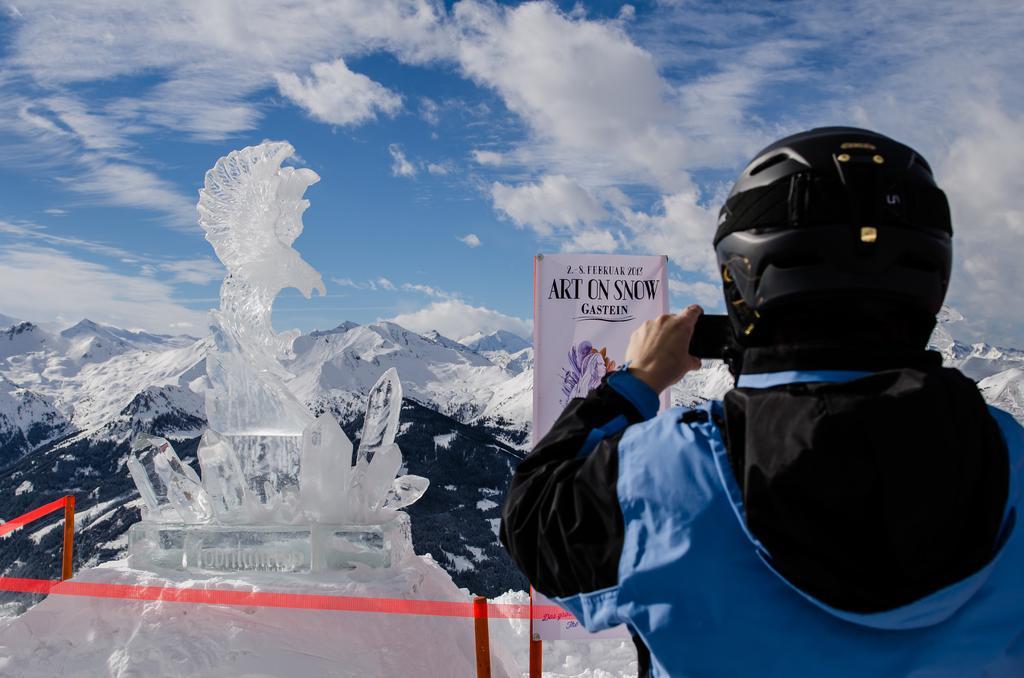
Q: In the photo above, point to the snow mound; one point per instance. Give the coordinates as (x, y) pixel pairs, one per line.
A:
(89, 637)
(78, 636)
(711, 382)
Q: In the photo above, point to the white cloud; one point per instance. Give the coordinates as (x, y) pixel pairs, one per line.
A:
(428, 290)
(556, 201)
(202, 271)
(982, 176)
(46, 285)
(349, 282)
(580, 85)
(644, 102)
(951, 89)
(708, 295)
(129, 185)
(470, 240)
(55, 212)
(25, 233)
(96, 132)
(201, 64)
(600, 115)
(90, 154)
(376, 285)
(439, 169)
(207, 58)
(38, 123)
(683, 229)
(199, 271)
(591, 240)
(491, 158)
(385, 285)
(430, 110)
(596, 105)
(400, 166)
(336, 95)
(456, 319)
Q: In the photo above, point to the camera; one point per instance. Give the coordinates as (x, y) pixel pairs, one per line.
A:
(710, 337)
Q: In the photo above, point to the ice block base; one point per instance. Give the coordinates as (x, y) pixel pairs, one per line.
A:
(220, 548)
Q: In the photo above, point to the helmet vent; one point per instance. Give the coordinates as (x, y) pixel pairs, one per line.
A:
(770, 162)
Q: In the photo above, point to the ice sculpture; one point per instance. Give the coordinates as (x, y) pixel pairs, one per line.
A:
(280, 490)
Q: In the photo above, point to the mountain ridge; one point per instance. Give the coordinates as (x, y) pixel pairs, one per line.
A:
(66, 419)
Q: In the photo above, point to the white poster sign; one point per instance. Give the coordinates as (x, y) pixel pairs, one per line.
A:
(585, 308)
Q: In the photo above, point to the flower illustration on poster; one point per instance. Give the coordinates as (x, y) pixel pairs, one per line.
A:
(587, 366)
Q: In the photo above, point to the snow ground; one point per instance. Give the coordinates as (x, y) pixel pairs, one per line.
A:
(71, 636)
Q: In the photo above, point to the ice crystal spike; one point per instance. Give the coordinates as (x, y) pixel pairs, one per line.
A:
(171, 480)
(325, 474)
(380, 474)
(141, 466)
(222, 477)
(405, 490)
(383, 407)
(156, 507)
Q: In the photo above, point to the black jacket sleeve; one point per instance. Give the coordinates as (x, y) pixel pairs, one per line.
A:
(561, 521)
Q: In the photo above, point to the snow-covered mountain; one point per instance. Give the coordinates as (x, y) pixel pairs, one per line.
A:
(94, 343)
(22, 338)
(332, 368)
(101, 378)
(499, 340)
(27, 420)
(1005, 390)
(998, 371)
(979, 360)
(70, 401)
(105, 381)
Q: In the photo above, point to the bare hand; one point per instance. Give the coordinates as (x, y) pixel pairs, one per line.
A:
(659, 350)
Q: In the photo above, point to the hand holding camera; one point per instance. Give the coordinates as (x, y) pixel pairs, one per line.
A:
(657, 351)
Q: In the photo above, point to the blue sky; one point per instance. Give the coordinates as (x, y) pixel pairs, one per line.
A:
(454, 141)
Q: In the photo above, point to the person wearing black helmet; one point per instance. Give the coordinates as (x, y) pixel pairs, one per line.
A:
(850, 507)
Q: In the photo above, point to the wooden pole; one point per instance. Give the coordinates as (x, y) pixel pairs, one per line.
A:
(69, 537)
(536, 647)
(483, 640)
(536, 655)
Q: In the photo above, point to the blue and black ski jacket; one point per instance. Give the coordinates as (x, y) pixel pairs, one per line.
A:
(813, 522)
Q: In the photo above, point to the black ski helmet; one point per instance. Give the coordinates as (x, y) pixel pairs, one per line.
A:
(829, 213)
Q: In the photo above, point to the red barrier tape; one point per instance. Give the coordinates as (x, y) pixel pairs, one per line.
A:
(35, 514)
(303, 601)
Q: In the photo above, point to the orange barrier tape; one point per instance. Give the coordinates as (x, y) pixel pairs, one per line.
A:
(34, 514)
(305, 601)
